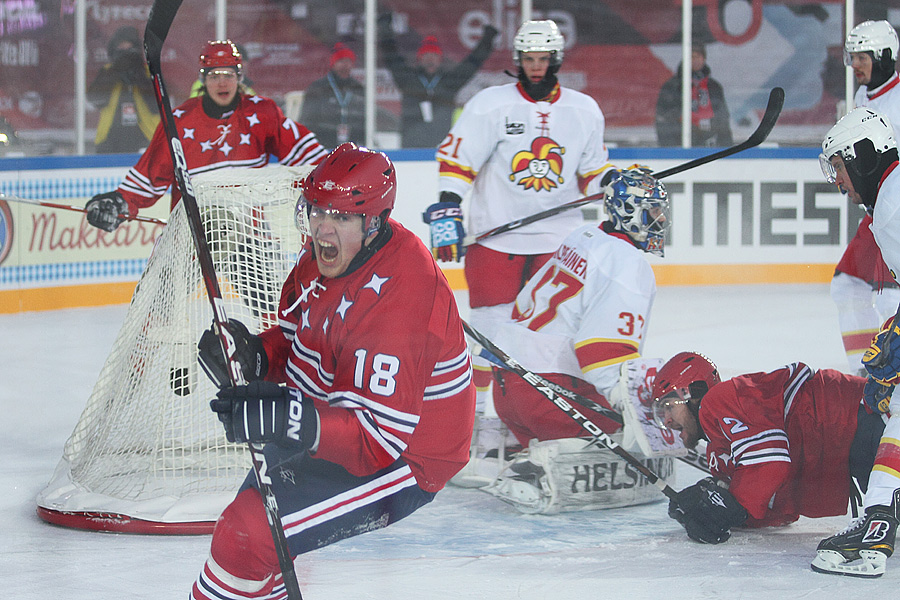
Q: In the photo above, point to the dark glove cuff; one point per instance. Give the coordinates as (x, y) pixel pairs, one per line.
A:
(450, 197)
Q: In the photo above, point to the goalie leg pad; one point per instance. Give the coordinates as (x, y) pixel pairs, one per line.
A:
(569, 475)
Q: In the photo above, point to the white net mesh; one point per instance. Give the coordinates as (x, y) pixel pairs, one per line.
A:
(147, 445)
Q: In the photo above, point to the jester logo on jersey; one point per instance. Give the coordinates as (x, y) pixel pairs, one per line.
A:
(538, 168)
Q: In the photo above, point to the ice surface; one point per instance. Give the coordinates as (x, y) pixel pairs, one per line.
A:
(466, 544)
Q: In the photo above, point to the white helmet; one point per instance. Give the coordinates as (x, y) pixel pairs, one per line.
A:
(864, 162)
(872, 36)
(539, 36)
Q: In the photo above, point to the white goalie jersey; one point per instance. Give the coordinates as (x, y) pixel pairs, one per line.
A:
(585, 311)
(519, 157)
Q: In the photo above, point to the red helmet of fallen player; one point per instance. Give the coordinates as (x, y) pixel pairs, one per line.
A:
(687, 374)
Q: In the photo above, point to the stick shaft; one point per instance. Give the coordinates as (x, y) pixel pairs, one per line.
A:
(161, 16)
(81, 209)
(773, 110)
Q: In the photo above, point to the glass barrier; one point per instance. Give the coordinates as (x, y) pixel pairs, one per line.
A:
(624, 54)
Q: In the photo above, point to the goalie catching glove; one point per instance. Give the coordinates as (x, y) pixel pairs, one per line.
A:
(249, 352)
(447, 231)
(107, 211)
(707, 511)
(262, 412)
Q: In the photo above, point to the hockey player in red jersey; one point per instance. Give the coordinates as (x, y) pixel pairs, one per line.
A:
(779, 444)
(377, 407)
(223, 127)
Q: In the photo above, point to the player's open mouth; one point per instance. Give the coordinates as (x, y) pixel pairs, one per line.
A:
(326, 251)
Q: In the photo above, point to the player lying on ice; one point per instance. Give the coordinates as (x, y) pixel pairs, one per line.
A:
(779, 445)
(580, 322)
(376, 406)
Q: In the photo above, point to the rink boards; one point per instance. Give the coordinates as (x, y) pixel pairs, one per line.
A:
(765, 217)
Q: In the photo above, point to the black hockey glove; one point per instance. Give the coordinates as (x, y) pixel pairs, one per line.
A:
(107, 211)
(262, 412)
(249, 351)
(707, 511)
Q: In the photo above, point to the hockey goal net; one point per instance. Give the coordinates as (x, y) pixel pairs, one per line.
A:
(147, 455)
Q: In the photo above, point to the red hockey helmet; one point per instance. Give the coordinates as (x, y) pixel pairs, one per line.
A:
(686, 370)
(220, 53)
(354, 180)
(689, 376)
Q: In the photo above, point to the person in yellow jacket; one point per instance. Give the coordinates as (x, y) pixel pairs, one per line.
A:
(124, 93)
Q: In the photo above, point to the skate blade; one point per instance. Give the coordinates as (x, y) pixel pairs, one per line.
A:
(871, 564)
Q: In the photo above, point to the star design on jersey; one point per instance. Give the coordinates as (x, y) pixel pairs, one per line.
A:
(255, 99)
(536, 168)
(325, 326)
(226, 148)
(177, 113)
(207, 145)
(375, 283)
(245, 139)
(253, 120)
(342, 309)
(189, 133)
(304, 320)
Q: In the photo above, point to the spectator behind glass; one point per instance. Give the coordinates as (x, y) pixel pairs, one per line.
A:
(710, 120)
(334, 105)
(123, 91)
(429, 87)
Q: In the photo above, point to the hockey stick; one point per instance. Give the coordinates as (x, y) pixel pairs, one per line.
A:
(773, 110)
(9, 198)
(162, 13)
(693, 458)
(598, 436)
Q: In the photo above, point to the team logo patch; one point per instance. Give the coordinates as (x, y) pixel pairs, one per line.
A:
(6, 230)
(515, 128)
(539, 168)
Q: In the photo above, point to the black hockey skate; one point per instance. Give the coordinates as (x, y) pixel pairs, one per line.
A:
(862, 549)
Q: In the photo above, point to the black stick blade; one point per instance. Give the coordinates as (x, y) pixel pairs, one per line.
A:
(773, 111)
(162, 14)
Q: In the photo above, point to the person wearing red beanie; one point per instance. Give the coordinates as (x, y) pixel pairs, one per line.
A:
(334, 105)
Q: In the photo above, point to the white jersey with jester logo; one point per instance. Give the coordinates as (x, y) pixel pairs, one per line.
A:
(519, 157)
(585, 311)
